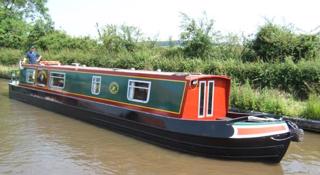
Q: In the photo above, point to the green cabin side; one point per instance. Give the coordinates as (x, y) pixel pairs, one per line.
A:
(162, 94)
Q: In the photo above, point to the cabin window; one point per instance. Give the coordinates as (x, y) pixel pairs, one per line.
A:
(57, 80)
(210, 98)
(30, 75)
(202, 92)
(139, 91)
(42, 77)
(96, 85)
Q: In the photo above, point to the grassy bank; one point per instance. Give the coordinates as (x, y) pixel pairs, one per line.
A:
(6, 71)
(273, 101)
(312, 108)
(246, 98)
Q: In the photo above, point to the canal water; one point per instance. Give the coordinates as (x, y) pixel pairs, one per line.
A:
(36, 141)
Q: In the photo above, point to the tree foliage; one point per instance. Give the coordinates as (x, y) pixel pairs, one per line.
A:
(59, 40)
(38, 29)
(15, 31)
(25, 8)
(197, 36)
(275, 43)
(119, 38)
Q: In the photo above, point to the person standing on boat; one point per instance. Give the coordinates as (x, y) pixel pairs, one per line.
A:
(32, 56)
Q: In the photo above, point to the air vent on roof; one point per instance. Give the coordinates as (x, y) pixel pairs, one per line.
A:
(75, 64)
(181, 74)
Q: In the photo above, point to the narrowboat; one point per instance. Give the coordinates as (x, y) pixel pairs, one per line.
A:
(181, 111)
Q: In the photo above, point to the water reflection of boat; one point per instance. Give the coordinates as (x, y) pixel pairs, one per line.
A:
(186, 112)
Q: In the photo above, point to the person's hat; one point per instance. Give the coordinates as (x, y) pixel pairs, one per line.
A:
(32, 47)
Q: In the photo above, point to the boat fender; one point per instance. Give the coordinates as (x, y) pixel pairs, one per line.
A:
(297, 135)
(296, 132)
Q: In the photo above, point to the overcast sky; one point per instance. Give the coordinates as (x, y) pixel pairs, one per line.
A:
(161, 18)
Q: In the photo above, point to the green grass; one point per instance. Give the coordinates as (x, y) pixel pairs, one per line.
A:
(6, 71)
(273, 101)
(312, 109)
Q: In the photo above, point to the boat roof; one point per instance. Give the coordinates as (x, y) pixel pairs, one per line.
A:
(130, 72)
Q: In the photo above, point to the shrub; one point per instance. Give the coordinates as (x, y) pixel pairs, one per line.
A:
(275, 43)
(58, 40)
(298, 79)
(172, 52)
(67, 56)
(177, 65)
(10, 56)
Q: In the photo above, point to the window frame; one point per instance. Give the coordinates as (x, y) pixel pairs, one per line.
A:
(212, 99)
(93, 87)
(204, 99)
(133, 87)
(33, 74)
(51, 80)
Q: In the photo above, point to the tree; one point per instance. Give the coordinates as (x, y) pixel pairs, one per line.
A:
(275, 43)
(39, 28)
(14, 28)
(197, 36)
(32, 9)
(119, 38)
